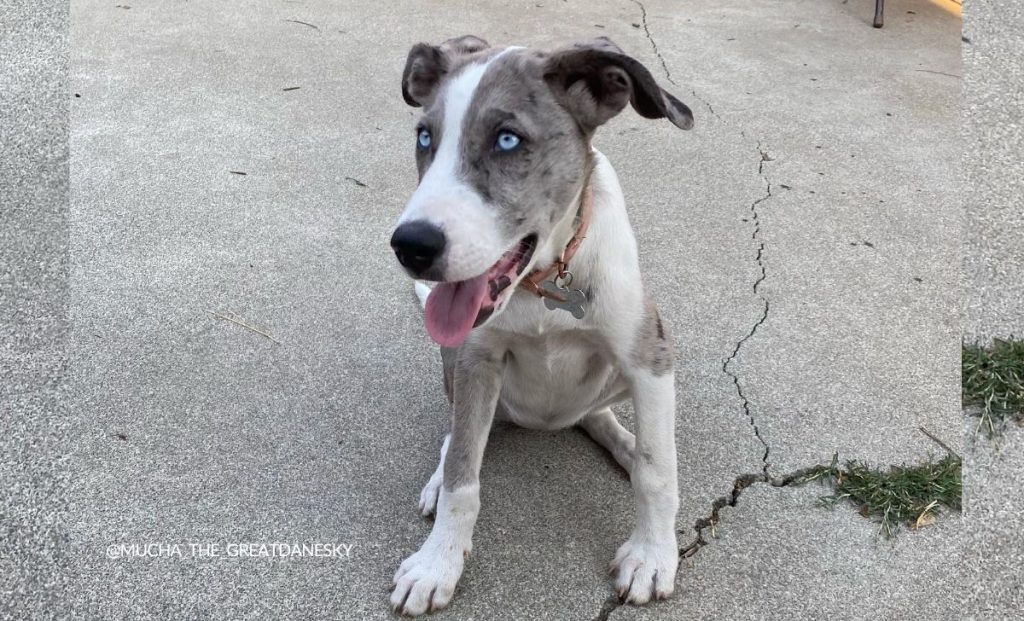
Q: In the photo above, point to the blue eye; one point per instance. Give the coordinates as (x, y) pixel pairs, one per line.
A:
(507, 141)
(424, 139)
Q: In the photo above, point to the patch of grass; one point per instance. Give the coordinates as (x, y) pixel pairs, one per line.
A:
(993, 383)
(901, 495)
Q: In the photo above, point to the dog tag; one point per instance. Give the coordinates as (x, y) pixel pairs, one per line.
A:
(574, 299)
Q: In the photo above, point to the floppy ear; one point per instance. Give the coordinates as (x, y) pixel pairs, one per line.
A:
(594, 80)
(427, 65)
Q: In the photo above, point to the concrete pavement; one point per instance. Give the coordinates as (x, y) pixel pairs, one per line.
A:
(801, 241)
(993, 296)
(993, 261)
(34, 327)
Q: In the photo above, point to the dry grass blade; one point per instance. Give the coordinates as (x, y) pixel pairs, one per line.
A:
(233, 319)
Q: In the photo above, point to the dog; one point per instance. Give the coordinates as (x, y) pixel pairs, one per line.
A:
(538, 304)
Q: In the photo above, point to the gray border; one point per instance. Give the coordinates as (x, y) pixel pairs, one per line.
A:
(34, 199)
(34, 325)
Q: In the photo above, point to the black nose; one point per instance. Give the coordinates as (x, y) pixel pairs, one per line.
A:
(418, 245)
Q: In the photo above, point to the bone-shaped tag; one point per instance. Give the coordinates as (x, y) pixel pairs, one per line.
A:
(574, 299)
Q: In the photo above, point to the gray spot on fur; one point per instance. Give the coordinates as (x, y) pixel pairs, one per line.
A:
(652, 348)
(448, 356)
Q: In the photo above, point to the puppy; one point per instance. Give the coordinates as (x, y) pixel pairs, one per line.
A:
(538, 308)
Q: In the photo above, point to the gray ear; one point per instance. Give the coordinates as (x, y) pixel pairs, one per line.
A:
(595, 80)
(427, 65)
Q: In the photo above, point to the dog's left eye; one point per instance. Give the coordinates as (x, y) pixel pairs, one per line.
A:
(507, 141)
(423, 139)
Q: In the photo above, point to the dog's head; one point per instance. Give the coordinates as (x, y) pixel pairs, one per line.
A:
(503, 151)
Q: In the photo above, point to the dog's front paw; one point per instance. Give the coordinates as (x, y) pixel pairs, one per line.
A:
(426, 581)
(645, 567)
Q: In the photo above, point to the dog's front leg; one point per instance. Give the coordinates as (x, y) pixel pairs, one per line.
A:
(646, 564)
(426, 580)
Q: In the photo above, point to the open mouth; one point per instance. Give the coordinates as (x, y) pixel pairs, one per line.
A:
(455, 308)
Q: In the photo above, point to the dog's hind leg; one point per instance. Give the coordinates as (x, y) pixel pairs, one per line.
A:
(602, 426)
(428, 497)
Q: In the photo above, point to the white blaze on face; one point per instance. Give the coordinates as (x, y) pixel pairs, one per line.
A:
(474, 242)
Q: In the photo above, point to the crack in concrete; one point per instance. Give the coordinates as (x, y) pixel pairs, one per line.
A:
(611, 603)
(664, 65)
(755, 235)
(740, 483)
(744, 481)
(745, 402)
(765, 307)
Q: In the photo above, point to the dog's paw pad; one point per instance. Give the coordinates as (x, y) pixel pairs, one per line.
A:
(429, 496)
(425, 582)
(645, 569)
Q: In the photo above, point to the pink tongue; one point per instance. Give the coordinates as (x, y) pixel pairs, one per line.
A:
(452, 309)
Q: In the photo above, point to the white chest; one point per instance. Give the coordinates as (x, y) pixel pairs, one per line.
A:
(554, 379)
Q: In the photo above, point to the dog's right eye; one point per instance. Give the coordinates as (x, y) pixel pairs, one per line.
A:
(423, 139)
